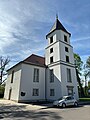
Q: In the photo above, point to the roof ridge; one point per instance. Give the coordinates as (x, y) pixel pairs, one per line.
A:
(38, 56)
(33, 55)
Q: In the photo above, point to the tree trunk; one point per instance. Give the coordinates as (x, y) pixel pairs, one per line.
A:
(79, 82)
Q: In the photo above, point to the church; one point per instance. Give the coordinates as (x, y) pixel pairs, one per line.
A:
(46, 78)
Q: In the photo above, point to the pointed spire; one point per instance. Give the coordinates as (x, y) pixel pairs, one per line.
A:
(57, 26)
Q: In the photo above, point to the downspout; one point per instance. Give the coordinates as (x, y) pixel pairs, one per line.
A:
(46, 84)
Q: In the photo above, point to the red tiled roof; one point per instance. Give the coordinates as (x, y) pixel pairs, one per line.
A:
(33, 60)
(36, 60)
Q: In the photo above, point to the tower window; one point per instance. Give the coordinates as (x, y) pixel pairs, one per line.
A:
(51, 39)
(51, 76)
(51, 50)
(66, 49)
(51, 59)
(67, 58)
(69, 75)
(65, 38)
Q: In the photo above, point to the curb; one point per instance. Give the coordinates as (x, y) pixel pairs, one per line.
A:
(84, 103)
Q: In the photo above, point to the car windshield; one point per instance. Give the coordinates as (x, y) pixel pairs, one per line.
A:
(60, 98)
(64, 97)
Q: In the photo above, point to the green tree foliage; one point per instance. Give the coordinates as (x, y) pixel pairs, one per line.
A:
(88, 66)
(88, 84)
(88, 63)
(87, 74)
(78, 64)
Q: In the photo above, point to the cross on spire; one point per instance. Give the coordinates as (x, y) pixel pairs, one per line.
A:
(56, 16)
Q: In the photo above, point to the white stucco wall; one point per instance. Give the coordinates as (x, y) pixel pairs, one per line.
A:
(58, 46)
(15, 85)
(58, 35)
(54, 38)
(27, 83)
(60, 82)
(56, 85)
(61, 36)
(59, 66)
(64, 82)
(55, 53)
(63, 53)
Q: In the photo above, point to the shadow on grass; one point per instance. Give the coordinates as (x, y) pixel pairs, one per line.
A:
(13, 112)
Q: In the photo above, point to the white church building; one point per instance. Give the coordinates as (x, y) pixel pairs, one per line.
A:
(39, 79)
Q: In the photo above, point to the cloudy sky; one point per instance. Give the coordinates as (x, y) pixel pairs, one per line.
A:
(25, 23)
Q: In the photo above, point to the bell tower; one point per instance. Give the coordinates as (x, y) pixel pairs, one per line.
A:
(60, 73)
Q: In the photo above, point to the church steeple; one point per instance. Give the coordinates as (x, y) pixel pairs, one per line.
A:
(57, 26)
(61, 76)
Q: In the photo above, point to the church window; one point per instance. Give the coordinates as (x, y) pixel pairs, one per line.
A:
(12, 76)
(52, 92)
(65, 38)
(51, 76)
(51, 59)
(66, 49)
(51, 50)
(36, 75)
(69, 75)
(51, 39)
(67, 58)
(35, 92)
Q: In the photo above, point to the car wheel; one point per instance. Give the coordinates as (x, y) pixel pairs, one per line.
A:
(75, 104)
(63, 105)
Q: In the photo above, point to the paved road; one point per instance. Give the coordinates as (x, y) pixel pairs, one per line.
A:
(15, 111)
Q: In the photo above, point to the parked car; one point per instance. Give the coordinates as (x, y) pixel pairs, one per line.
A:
(66, 101)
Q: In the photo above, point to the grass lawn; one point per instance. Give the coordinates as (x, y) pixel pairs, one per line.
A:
(1, 98)
(84, 99)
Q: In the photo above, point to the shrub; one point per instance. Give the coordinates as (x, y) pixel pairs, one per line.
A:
(2, 88)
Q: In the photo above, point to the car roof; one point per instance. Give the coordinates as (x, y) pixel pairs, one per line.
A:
(67, 96)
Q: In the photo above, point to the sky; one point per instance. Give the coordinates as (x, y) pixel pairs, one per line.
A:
(25, 23)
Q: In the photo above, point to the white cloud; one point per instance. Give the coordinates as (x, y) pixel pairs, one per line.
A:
(24, 24)
(81, 38)
(18, 23)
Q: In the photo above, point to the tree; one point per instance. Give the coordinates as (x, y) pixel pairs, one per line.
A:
(88, 66)
(3, 63)
(2, 88)
(88, 84)
(87, 73)
(88, 63)
(89, 88)
(78, 64)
